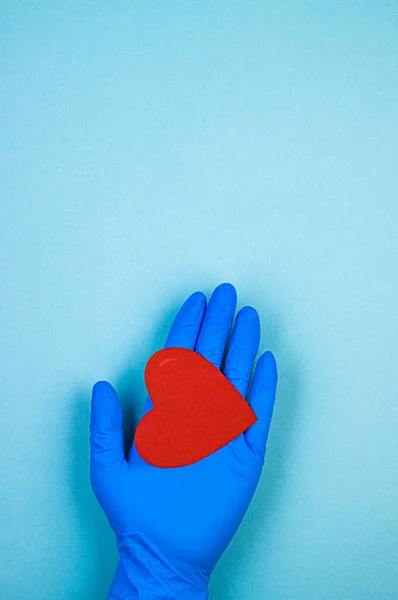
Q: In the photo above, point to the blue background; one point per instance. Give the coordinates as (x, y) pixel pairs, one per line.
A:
(150, 149)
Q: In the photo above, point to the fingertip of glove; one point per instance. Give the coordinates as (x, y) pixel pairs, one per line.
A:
(198, 296)
(226, 288)
(269, 363)
(102, 388)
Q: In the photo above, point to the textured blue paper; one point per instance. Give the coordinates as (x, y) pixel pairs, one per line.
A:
(149, 149)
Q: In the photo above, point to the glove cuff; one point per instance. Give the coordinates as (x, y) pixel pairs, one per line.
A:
(143, 573)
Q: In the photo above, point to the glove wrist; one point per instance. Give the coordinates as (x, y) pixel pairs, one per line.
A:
(144, 573)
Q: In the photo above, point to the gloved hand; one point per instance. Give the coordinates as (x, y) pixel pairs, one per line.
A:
(172, 525)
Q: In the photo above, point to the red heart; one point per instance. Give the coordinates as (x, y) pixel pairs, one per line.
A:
(196, 409)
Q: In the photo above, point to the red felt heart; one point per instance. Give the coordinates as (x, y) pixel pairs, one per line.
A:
(196, 409)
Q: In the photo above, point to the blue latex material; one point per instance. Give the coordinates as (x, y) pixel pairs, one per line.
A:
(172, 525)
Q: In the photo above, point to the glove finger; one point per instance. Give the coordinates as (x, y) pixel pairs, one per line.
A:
(106, 428)
(262, 398)
(217, 324)
(187, 322)
(245, 340)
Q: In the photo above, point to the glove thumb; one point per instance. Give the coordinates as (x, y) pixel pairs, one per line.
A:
(106, 428)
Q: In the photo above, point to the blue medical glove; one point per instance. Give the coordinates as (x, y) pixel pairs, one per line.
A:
(173, 524)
